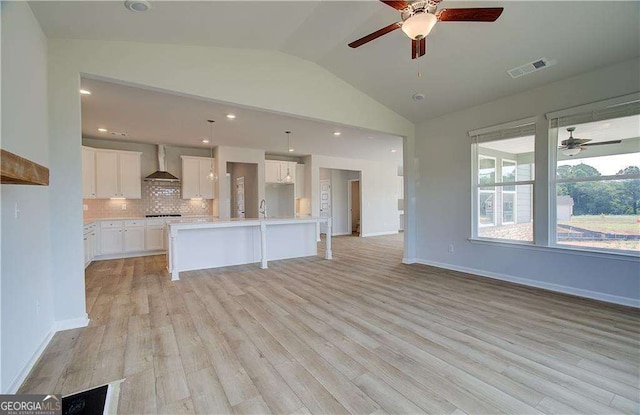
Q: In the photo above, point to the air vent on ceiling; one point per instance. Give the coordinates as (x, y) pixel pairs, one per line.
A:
(530, 67)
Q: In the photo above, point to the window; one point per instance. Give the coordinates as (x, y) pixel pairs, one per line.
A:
(595, 198)
(503, 182)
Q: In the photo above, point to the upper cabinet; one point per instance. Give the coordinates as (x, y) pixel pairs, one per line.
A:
(195, 181)
(276, 171)
(88, 173)
(117, 174)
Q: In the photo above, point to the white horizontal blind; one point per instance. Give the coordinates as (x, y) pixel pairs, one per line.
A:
(600, 111)
(501, 134)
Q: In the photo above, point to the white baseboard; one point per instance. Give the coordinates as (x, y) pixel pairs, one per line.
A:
(565, 289)
(379, 233)
(20, 377)
(408, 261)
(72, 323)
(128, 255)
(342, 234)
(57, 326)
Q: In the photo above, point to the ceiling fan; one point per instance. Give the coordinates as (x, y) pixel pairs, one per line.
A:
(572, 146)
(419, 17)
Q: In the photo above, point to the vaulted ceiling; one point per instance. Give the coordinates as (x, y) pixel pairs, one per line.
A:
(465, 65)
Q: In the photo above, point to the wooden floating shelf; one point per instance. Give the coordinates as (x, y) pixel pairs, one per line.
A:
(18, 170)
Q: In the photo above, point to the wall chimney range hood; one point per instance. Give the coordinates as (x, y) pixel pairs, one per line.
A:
(161, 175)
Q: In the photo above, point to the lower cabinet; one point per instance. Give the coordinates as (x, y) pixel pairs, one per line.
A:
(134, 239)
(90, 243)
(111, 241)
(155, 238)
(126, 236)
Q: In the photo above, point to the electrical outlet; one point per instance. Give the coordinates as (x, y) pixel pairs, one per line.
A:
(451, 249)
(85, 207)
(17, 211)
(124, 206)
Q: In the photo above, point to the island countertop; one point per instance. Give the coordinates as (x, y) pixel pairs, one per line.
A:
(193, 223)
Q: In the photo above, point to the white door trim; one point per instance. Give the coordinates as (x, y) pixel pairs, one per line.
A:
(349, 198)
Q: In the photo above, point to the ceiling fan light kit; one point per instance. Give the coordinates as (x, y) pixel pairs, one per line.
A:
(419, 17)
(419, 25)
(572, 145)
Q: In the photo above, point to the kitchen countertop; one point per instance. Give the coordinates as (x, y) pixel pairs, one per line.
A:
(90, 221)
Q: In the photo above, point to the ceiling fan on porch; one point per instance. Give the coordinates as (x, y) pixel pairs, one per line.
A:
(419, 17)
(572, 145)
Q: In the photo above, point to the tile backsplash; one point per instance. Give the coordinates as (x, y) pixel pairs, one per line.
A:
(157, 199)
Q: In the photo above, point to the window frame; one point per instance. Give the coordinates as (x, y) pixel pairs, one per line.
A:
(475, 185)
(552, 164)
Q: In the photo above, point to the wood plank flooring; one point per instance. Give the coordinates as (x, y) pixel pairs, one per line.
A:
(361, 334)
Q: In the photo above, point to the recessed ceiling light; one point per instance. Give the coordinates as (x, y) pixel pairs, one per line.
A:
(394, 150)
(137, 5)
(85, 92)
(418, 97)
(205, 141)
(291, 150)
(231, 116)
(337, 133)
(102, 130)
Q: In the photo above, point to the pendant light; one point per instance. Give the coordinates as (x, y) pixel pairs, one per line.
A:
(287, 178)
(212, 174)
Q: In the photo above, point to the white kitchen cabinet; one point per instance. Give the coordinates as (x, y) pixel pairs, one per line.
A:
(134, 239)
(130, 175)
(118, 174)
(275, 171)
(154, 236)
(88, 173)
(299, 183)
(195, 181)
(111, 240)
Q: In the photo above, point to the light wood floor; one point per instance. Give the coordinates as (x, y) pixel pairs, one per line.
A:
(361, 334)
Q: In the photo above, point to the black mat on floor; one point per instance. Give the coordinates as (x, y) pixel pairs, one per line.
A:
(90, 402)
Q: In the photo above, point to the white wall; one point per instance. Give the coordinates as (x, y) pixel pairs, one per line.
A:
(443, 192)
(378, 187)
(27, 303)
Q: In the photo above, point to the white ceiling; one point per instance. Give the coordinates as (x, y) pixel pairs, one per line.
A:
(465, 64)
(149, 116)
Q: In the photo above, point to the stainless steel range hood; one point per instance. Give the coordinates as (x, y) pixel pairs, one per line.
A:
(161, 175)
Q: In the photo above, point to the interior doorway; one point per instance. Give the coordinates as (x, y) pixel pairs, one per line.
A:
(243, 189)
(337, 200)
(354, 206)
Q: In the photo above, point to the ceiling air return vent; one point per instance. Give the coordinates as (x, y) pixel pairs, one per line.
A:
(530, 67)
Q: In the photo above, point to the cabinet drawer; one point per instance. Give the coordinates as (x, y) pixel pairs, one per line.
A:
(134, 223)
(111, 224)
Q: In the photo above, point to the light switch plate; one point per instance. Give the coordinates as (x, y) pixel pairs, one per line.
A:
(85, 207)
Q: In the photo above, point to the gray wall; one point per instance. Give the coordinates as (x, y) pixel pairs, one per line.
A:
(443, 149)
(26, 288)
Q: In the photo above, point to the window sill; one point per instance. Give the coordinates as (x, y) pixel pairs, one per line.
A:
(619, 256)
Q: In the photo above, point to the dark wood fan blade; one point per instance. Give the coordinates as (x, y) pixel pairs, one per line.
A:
(375, 35)
(601, 143)
(489, 14)
(418, 48)
(398, 5)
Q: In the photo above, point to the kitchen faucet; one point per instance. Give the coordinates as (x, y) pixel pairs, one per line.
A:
(263, 208)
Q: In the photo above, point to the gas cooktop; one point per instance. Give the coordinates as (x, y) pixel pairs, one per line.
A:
(169, 215)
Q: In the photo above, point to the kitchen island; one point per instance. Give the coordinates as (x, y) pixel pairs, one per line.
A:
(213, 243)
